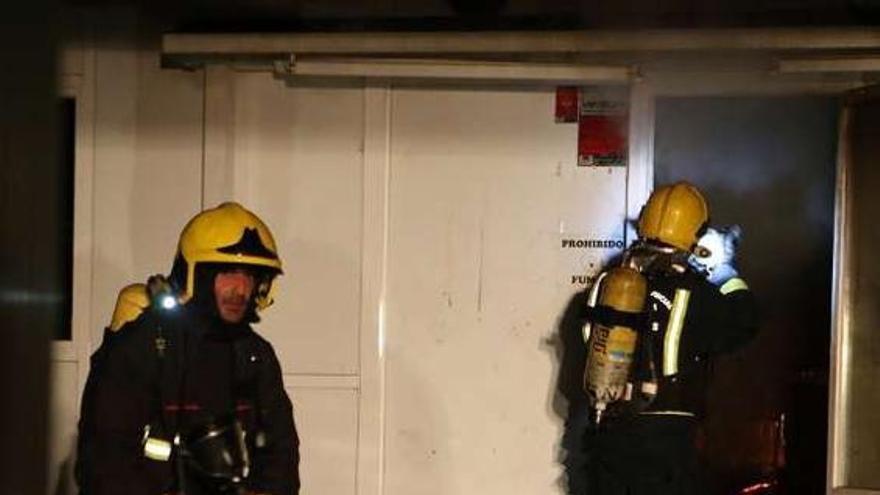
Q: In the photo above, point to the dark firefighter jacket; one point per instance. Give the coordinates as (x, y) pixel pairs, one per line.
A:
(689, 321)
(645, 446)
(172, 372)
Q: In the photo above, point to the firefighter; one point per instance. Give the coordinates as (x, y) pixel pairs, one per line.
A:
(695, 306)
(183, 396)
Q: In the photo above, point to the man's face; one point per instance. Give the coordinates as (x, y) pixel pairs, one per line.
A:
(232, 291)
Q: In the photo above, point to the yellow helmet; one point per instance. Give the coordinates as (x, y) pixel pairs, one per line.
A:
(227, 234)
(674, 214)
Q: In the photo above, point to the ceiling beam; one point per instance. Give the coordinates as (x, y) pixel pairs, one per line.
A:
(568, 42)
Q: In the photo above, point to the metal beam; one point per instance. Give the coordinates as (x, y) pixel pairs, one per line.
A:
(454, 69)
(840, 64)
(422, 43)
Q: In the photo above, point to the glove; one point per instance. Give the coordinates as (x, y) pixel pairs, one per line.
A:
(715, 254)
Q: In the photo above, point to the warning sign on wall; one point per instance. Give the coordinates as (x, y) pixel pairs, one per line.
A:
(603, 118)
(583, 257)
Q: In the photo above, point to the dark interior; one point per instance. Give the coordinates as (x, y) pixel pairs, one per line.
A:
(767, 164)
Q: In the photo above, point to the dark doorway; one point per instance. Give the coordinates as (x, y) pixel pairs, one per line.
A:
(767, 164)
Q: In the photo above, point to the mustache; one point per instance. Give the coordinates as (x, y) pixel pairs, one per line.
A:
(234, 299)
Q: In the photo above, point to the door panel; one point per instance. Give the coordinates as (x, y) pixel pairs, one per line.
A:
(294, 155)
(298, 164)
(484, 187)
(327, 423)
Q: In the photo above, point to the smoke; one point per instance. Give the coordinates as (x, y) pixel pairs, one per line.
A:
(738, 149)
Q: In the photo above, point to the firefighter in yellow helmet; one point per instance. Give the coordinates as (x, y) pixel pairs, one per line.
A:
(183, 396)
(696, 306)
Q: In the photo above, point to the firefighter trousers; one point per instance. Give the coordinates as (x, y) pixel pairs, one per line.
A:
(644, 455)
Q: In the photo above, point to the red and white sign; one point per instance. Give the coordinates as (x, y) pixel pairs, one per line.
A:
(603, 118)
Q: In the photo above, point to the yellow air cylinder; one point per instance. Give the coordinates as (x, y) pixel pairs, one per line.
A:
(610, 349)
